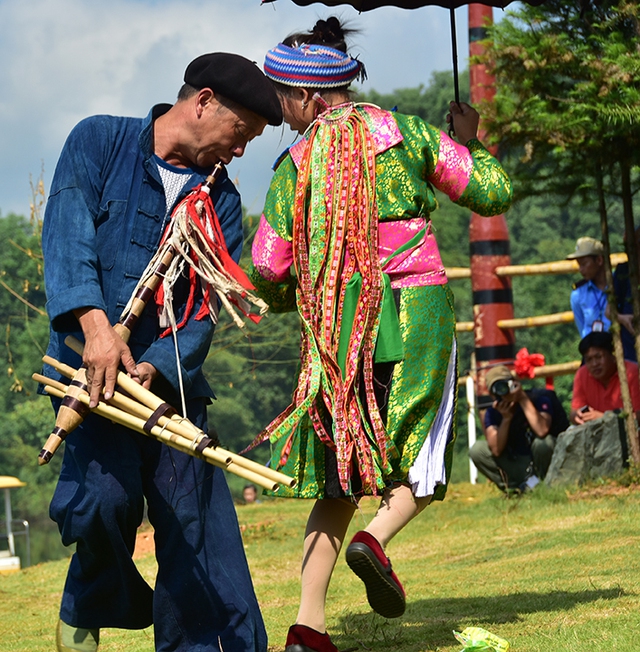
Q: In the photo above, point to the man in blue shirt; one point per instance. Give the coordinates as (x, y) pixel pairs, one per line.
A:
(114, 188)
(589, 297)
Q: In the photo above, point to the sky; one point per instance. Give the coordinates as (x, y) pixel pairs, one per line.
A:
(63, 60)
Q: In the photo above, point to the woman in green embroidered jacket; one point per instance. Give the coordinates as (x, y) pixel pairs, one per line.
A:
(349, 210)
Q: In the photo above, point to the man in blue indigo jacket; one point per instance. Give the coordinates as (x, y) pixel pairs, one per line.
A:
(114, 188)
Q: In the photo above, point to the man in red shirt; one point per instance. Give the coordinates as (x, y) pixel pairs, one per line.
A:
(596, 386)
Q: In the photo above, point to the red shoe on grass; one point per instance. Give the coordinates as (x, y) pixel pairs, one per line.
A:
(367, 560)
(301, 638)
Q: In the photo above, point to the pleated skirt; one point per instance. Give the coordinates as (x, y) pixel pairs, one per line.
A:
(417, 399)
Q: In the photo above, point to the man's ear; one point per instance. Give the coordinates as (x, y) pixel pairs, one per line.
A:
(204, 98)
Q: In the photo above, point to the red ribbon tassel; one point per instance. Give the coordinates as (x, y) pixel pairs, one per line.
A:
(204, 222)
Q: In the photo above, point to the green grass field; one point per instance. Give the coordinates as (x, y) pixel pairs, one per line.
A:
(549, 572)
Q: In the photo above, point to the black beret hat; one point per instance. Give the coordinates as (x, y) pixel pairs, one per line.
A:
(597, 339)
(238, 79)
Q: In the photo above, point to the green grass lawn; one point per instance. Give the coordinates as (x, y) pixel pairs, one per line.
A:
(549, 572)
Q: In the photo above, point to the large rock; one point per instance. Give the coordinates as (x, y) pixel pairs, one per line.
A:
(597, 449)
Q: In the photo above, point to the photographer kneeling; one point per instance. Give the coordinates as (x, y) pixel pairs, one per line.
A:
(520, 429)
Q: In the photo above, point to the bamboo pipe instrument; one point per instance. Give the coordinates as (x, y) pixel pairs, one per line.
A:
(146, 403)
(71, 412)
(178, 424)
(182, 444)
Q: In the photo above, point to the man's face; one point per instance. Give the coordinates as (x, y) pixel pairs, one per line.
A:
(590, 266)
(225, 132)
(600, 363)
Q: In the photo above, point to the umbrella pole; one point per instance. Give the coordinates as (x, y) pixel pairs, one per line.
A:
(454, 53)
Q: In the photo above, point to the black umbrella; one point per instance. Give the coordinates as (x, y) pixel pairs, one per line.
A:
(452, 5)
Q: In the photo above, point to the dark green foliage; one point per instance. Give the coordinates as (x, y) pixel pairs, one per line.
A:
(25, 429)
(28, 418)
(430, 103)
(253, 377)
(568, 79)
(22, 319)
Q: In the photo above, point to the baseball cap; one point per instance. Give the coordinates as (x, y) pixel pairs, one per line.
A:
(586, 247)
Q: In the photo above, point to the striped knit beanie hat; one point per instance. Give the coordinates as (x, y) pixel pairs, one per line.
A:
(314, 66)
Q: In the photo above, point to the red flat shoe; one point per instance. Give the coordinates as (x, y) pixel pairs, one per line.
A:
(301, 638)
(367, 560)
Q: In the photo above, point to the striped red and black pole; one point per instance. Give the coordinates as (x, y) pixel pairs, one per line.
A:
(488, 240)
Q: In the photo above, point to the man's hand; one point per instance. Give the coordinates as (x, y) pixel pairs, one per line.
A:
(627, 322)
(146, 374)
(540, 422)
(589, 414)
(506, 406)
(104, 351)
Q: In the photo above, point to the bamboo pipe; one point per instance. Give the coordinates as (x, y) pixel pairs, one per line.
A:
(176, 441)
(148, 398)
(149, 402)
(73, 413)
(540, 320)
(144, 294)
(148, 289)
(70, 415)
(129, 420)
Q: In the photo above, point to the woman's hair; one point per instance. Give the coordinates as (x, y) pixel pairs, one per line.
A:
(328, 32)
(325, 32)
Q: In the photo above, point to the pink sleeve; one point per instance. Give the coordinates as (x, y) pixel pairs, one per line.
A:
(453, 169)
(272, 255)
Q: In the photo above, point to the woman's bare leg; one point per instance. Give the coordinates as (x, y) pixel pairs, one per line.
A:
(397, 507)
(326, 529)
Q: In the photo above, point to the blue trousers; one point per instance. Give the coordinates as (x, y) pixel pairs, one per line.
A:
(203, 598)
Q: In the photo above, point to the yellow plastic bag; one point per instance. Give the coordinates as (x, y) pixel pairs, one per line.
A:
(476, 639)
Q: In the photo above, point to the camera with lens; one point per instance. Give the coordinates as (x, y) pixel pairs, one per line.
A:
(502, 387)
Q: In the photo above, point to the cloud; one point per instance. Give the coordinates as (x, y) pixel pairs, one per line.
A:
(66, 59)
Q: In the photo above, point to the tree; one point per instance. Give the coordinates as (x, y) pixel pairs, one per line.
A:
(431, 103)
(568, 104)
(22, 314)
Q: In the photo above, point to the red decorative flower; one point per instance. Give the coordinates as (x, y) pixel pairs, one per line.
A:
(526, 362)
